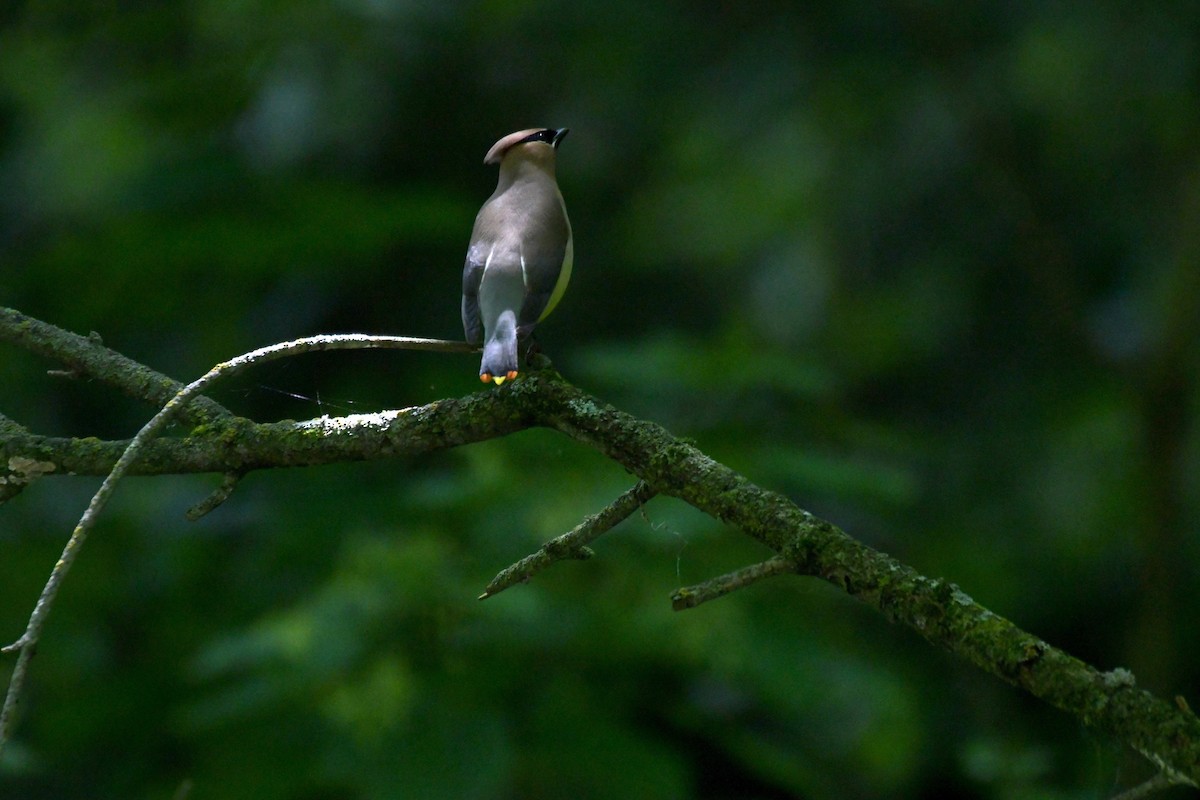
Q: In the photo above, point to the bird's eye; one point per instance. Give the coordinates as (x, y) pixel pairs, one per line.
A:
(546, 136)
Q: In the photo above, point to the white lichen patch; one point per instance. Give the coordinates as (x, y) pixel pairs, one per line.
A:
(27, 470)
(352, 422)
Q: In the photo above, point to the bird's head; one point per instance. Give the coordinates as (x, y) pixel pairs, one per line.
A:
(534, 144)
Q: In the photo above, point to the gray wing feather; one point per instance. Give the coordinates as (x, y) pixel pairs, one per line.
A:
(472, 323)
(543, 263)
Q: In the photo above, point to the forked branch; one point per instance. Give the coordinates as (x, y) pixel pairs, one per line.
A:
(27, 643)
(1167, 734)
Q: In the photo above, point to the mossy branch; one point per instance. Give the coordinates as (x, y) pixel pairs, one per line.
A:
(1165, 733)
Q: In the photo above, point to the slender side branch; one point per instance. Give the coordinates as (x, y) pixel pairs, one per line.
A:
(692, 596)
(86, 356)
(29, 639)
(1167, 735)
(572, 544)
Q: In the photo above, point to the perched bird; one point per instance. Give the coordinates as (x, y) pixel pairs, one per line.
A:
(519, 258)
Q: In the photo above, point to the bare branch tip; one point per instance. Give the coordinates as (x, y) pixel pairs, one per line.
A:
(19, 644)
(692, 596)
(682, 600)
(215, 499)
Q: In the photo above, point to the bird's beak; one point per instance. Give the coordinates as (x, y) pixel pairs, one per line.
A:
(559, 135)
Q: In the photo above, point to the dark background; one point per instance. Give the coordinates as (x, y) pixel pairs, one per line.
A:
(930, 269)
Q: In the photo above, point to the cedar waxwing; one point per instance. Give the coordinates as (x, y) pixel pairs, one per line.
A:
(519, 258)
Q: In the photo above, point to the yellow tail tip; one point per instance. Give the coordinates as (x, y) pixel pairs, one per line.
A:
(488, 377)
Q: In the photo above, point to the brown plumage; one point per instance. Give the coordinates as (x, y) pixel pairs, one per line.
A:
(519, 259)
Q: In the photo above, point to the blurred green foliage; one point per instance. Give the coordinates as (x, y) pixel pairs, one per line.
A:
(931, 269)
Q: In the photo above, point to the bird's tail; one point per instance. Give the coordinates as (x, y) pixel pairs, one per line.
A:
(500, 350)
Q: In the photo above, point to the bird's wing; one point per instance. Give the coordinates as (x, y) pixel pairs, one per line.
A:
(542, 266)
(472, 276)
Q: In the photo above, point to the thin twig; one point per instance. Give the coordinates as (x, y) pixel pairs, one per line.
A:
(935, 608)
(29, 639)
(692, 596)
(572, 544)
(215, 498)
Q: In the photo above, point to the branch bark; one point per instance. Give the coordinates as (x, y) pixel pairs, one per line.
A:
(573, 543)
(1165, 733)
(87, 357)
